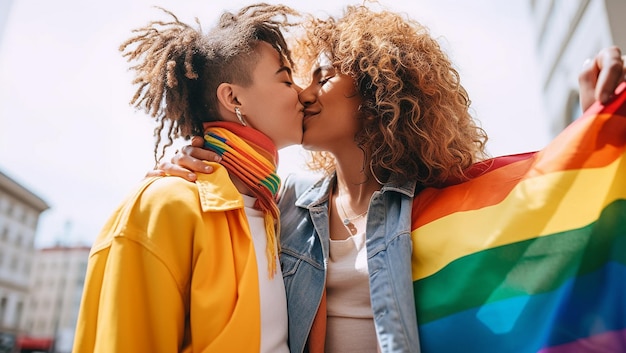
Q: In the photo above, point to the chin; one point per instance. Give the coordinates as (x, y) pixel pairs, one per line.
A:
(310, 147)
(311, 141)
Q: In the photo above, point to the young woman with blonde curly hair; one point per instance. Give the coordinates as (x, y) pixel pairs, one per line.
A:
(193, 267)
(385, 116)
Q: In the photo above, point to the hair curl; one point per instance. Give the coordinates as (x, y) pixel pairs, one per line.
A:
(417, 124)
(179, 68)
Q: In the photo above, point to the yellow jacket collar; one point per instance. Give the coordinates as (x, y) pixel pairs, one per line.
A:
(217, 191)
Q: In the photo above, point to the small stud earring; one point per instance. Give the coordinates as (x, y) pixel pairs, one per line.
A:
(240, 116)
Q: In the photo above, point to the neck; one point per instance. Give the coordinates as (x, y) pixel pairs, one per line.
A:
(350, 200)
(355, 183)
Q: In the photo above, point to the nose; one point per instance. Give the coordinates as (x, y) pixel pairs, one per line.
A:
(307, 96)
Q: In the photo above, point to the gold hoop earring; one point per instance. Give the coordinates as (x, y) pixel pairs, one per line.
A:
(240, 116)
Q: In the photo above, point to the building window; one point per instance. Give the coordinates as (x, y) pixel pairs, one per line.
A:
(3, 309)
(18, 313)
(9, 209)
(14, 262)
(17, 212)
(26, 268)
(24, 217)
(32, 221)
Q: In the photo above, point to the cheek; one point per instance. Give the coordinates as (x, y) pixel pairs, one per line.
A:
(283, 107)
(255, 105)
(287, 101)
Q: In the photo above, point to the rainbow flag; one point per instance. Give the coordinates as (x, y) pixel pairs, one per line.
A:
(530, 254)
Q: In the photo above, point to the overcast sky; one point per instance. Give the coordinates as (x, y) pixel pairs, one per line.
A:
(68, 134)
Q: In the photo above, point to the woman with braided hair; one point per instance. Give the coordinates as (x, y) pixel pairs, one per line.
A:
(193, 267)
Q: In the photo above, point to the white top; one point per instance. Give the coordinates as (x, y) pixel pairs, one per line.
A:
(272, 291)
(350, 326)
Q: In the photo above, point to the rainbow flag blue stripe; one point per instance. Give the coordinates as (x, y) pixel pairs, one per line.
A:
(530, 254)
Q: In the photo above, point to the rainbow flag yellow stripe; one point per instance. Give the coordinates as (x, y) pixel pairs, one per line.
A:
(530, 254)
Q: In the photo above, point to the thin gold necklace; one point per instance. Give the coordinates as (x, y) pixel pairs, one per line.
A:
(347, 221)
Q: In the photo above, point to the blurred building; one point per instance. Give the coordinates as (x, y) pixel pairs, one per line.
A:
(5, 10)
(52, 305)
(567, 33)
(19, 215)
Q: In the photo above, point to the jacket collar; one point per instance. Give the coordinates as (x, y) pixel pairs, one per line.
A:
(318, 193)
(217, 192)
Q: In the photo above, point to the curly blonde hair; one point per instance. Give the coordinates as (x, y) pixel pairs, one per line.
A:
(416, 119)
(180, 68)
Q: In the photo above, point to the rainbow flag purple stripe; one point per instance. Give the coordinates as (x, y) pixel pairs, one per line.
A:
(530, 254)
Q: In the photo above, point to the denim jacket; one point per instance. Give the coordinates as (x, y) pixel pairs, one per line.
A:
(304, 257)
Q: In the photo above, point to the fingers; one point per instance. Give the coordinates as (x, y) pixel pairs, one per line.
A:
(611, 73)
(165, 168)
(197, 153)
(600, 76)
(196, 150)
(197, 141)
(587, 80)
(192, 158)
(155, 173)
(188, 161)
(176, 170)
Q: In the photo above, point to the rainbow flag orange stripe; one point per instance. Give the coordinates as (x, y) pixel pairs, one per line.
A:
(530, 254)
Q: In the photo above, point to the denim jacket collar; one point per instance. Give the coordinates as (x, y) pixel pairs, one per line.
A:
(319, 192)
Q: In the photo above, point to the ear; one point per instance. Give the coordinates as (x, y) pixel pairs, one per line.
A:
(227, 97)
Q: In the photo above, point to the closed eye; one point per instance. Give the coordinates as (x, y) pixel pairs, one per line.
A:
(326, 73)
(285, 72)
(324, 80)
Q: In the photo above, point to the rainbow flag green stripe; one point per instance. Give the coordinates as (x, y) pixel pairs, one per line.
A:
(523, 268)
(535, 207)
(530, 254)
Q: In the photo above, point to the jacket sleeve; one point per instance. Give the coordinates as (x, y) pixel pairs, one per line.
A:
(134, 294)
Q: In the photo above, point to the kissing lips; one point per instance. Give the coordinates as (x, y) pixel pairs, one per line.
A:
(309, 114)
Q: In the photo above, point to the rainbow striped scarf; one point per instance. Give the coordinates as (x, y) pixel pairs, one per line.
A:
(252, 157)
(530, 255)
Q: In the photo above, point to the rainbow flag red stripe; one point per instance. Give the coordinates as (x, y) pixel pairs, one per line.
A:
(530, 254)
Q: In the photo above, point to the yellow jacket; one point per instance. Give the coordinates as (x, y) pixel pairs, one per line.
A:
(173, 270)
